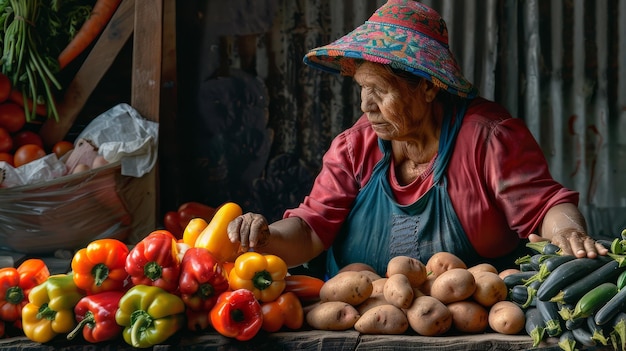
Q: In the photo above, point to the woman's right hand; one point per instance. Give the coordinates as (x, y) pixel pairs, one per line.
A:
(251, 230)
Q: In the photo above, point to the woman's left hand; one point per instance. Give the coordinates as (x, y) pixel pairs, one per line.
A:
(574, 242)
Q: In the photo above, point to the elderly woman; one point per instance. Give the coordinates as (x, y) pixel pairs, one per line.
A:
(429, 167)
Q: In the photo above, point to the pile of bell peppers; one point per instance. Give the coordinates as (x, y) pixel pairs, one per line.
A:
(148, 292)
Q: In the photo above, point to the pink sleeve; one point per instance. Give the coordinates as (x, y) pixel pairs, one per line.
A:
(346, 167)
(517, 171)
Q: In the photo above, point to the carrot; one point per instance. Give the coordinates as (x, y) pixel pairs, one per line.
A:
(101, 14)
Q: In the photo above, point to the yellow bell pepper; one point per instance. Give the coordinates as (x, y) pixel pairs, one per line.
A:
(215, 236)
(50, 311)
(264, 275)
(193, 229)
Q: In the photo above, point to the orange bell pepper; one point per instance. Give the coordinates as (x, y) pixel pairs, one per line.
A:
(99, 266)
(264, 275)
(285, 311)
(16, 284)
(215, 236)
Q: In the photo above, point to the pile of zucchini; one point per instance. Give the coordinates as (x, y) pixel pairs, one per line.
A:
(580, 301)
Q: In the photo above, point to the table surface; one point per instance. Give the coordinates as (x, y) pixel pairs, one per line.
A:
(313, 340)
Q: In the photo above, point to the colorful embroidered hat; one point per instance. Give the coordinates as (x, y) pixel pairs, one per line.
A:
(404, 34)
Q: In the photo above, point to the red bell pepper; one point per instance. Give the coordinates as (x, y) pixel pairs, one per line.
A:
(237, 314)
(192, 209)
(99, 266)
(202, 279)
(154, 261)
(197, 320)
(15, 285)
(95, 315)
(171, 222)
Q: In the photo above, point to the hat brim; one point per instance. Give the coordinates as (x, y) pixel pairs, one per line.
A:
(398, 47)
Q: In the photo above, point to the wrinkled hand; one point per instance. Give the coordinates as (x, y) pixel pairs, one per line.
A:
(251, 230)
(574, 242)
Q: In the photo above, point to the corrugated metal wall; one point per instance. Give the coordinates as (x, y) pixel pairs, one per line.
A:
(560, 65)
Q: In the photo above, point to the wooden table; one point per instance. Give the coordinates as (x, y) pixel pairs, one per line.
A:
(313, 340)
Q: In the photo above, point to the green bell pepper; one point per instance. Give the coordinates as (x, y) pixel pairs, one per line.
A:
(149, 315)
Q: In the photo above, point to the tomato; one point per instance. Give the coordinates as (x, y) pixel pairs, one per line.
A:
(5, 87)
(26, 137)
(6, 157)
(6, 141)
(27, 153)
(62, 147)
(12, 116)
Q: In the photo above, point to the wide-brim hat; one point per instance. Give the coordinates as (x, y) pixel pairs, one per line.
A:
(404, 34)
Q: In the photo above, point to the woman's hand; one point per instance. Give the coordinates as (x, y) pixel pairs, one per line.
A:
(574, 242)
(251, 230)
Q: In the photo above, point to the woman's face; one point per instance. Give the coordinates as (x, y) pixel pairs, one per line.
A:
(395, 108)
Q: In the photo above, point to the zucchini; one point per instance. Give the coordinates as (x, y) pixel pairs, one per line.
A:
(528, 267)
(597, 332)
(610, 309)
(518, 278)
(583, 336)
(571, 324)
(544, 247)
(573, 292)
(534, 325)
(621, 280)
(618, 335)
(567, 342)
(565, 274)
(593, 300)
(551, 318)
(521, 295)
(551, 263)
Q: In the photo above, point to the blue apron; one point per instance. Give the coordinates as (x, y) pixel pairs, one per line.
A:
(379, 228)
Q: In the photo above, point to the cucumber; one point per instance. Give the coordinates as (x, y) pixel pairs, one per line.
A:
(593, 300)
(551, 318)
(565, 274)
(567, 342)
(610, 309)
(573, 292)
(534, 325)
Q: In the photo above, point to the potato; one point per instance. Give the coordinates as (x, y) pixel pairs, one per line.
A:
(372, 301)
(443, 261)
(425, 287)
(383, 319)
(413, 268)
(508, 271)
(428, 316)
(398, 291)
(349, 286)
(469, 316)
(357, 267)
(332, 315)
(378, 286)
(490, 288)
(373, 276)
(483, 267)
(506, 317)
(453, 285)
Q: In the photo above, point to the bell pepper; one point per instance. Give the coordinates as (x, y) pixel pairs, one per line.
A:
(149, 315)
(306, 287)
(50, 311)
(237, 314)
(215, 236)
(197, 320)
(16, 284)
(99, 266)
(202, 279)
(171, 222)
(193, 229)
(154, 261)
(285, 311)
(263, 275)
(193, 209)
(95, 315)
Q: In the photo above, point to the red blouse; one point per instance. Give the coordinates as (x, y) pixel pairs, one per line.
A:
(498, 180)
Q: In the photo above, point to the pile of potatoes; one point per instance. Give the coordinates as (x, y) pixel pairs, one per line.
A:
(441, 296)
